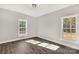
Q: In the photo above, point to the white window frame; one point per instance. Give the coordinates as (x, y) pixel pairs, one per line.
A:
(62, 18)
(19, 34)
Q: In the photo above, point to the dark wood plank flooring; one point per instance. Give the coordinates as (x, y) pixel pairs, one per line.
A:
(21, 47)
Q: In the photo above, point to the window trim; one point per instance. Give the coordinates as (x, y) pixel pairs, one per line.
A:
(21, 27)
(62, 18)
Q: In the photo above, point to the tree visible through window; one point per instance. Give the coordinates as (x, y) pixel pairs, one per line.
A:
(69, 28)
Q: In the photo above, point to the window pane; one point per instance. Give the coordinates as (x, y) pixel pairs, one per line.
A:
(66, 23)
(68, 31)
(65, 30)
(73, 22)
(73, 30)
(22, 24)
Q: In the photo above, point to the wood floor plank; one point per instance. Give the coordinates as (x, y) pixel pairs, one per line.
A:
(22, 47)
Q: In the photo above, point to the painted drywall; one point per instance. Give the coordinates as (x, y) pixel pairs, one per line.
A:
(46, 26)
(49, 26)
(9, 25)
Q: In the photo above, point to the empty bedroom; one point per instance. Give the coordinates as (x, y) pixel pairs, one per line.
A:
(39, 28)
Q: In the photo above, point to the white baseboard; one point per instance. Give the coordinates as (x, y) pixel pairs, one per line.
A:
(65, 43)
(19, 38)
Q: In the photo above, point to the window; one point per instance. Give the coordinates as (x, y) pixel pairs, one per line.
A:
(69, 28)
(22, 27)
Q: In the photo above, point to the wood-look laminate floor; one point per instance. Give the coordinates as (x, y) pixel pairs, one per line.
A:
(21, 47)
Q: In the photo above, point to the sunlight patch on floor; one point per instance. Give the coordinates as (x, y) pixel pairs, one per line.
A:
(43, 44)
(33, 41)
(49, 46)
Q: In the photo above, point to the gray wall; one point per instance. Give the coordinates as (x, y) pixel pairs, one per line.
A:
(46, 26)
(49, 26)
(9, 23)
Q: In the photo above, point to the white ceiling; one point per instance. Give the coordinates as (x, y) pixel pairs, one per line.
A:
(27, 9)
